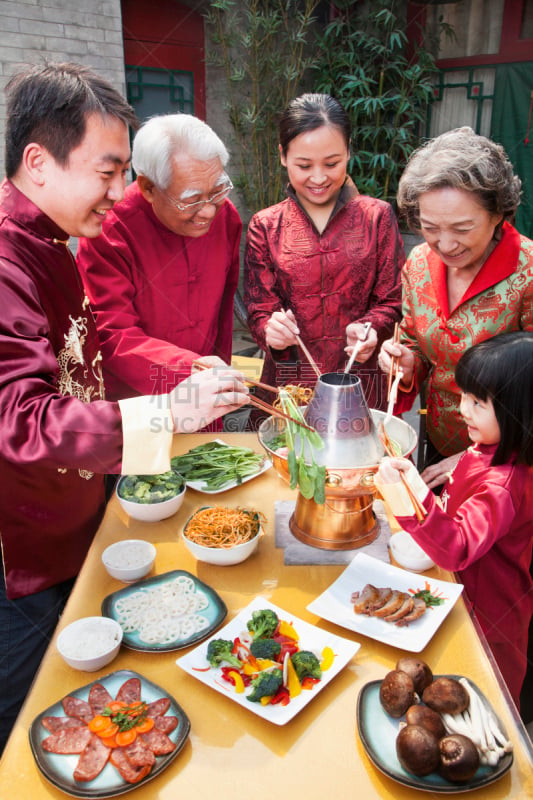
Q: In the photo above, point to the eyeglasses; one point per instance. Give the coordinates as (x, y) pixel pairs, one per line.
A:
(215, 199)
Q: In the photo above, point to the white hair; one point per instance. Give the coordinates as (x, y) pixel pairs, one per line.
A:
(163, 137)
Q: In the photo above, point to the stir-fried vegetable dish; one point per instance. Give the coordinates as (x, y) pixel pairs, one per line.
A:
(150, 488)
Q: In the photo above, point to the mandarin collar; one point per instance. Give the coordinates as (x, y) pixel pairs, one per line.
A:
(24, 211)
(348, 191)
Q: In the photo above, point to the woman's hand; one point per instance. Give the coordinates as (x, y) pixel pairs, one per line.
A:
(207, 361)
(281, 330)
(355, 333)
(406, 359)
(437, 474)
(205, 396)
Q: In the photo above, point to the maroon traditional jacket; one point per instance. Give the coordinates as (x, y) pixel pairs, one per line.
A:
(57, 435)
(485, 534)
(160, 299)
(348, 273)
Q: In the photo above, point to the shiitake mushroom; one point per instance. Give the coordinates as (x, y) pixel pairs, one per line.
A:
(396, 693)
(418, 671)
(418, 750)
(446, 696)
(459, 758)
(425, 716)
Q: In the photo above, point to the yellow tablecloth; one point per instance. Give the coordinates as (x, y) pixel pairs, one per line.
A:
(230, 751)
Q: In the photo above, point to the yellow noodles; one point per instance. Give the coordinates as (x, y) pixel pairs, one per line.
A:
(222, 527)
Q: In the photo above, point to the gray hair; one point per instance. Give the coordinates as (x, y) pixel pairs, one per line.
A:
(460, 159)
(162, 138)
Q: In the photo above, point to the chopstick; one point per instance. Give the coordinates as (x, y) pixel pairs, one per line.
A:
(394, 360)
(306, 352)
(249, 381)
(420, 509)
(357, 347)
(261, 404)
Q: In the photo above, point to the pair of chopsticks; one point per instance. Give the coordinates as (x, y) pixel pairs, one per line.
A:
(420, 509)
(261, 404)
(306, 352)
(395, 361)
(357, 347)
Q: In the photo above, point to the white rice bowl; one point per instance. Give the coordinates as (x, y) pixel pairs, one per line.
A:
(89, 643)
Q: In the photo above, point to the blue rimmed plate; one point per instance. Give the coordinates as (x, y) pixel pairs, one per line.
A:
(166, 612)
(59, 769)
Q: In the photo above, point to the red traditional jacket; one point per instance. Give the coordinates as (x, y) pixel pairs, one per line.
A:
(499, 299)
(484, 532)
(161, 300)
(57, 435)
(348, 273)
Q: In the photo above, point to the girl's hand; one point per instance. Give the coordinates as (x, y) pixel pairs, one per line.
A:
(354, 333)
(281, 330)
(205, 396)
(406, 359)
(437, 474)
(390, 468)
(389, 483)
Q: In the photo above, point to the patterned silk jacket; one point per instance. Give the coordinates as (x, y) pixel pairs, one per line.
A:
(499, 299)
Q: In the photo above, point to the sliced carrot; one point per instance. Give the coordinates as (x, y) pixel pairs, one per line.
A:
(106, 733)
(99, 723)
(124, 738)
(145, 726)
(116, 705)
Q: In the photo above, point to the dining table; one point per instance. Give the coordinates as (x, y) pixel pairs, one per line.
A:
(231, 751)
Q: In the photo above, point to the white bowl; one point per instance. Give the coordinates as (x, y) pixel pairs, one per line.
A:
(129, 560)
(90, 643)
(151, 512)
(407, 553)
(222, 556)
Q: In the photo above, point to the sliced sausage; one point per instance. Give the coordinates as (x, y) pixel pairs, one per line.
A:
(158, 742)
(130, 773)
(54, 724)
(92, 761)
(67, 741)
(166, 724)
(130, 691)
(139, 754)
(74, 707)
(158, 707)
(99, 698)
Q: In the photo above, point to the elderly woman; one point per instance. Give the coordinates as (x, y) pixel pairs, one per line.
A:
(470, 280)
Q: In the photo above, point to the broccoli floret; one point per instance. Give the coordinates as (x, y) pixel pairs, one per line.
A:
(306, 664)
(219, 650)
(266, 684)
(263, 623)
(265, 648)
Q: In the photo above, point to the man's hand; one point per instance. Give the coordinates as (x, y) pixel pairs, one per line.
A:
(205, 396)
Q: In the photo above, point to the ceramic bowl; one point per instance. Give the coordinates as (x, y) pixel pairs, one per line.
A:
(150, 512)
(89, 643)
(129, 560)
(408, 554)
(222, 556)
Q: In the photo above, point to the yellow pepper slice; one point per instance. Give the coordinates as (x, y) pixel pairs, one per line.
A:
(239, 683)
(286, 629)
(328, 657)
(265, 700)
(266, 663)
(293, 683)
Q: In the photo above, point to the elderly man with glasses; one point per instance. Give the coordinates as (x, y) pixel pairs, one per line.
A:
(162, 275)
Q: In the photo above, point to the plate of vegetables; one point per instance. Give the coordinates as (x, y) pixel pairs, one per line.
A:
(338, 603)
(268, 661)
(217, 466)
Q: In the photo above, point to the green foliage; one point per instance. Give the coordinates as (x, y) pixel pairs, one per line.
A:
(367, 65)
(265, 49)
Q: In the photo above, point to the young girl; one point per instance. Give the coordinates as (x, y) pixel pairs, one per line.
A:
(324, 261)
(483, 527)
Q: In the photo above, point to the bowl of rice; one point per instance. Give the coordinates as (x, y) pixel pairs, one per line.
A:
(150, 498)
(89, 643)
(129, 560)
(222, 536)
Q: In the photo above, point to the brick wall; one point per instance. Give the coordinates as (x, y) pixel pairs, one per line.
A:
(86, 31)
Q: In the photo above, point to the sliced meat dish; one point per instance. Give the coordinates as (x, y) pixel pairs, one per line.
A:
(99, 698)
(130, 773)
(405, 608)
(158, 742)
(166, 724)
(139, 754)
(92, 760)
(130, 691)
(393, 604)
(54, 724)
(74, 707)
(419, 608)
(67, 741)
(384, 596)
(158, 707)
(363, 600)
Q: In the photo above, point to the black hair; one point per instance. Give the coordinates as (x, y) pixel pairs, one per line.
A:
(501, 368)
(309, 112)
(49, 104)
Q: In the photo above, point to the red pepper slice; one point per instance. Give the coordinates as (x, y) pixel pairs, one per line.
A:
(308, 682)
(282, 697)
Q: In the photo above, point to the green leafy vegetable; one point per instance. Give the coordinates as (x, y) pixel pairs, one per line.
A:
(310, 478)
(146, 489)
(217, 464)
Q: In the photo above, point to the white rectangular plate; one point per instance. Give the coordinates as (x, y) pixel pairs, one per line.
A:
(201, 486)
(311, 638)
(336, 606)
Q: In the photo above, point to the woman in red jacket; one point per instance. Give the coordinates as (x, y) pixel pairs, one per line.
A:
(324, 261)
